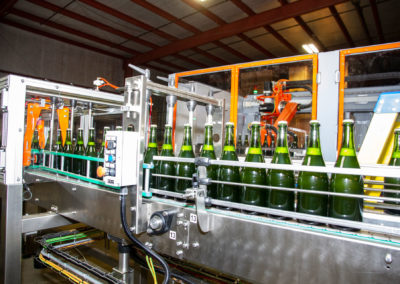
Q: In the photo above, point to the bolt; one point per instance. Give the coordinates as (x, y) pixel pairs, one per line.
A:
(185, 245)
(178, 243)
(179, 223)
(133, 209)
(179, 252)
(180, 215)
(74, 189)
(149, 231)
(186, 223)
(195, 245)
(149, 245)
(165, 213)
(388, 258)
(132, 228)
(36, 199)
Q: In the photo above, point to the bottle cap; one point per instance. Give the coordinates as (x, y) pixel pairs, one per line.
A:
(186, 125)
(314, 121)
(208, 124)
(107, 127)
(168, 125)
(397, 130)
(91, 128)
(229, 123)
(153, 125)
(348, 121)
(255, 123)
(282, 122)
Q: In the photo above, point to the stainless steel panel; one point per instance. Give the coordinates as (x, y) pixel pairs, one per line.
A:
(43, 221)
(10, 237)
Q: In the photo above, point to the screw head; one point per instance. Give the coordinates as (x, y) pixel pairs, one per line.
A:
(195, 245)
(388, 258)
(179, 252)
(132, 228)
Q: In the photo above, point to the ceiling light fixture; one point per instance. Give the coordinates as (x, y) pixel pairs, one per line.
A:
(310, 48)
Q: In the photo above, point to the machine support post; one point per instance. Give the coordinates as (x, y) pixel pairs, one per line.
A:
(73, 105)
(53, 106)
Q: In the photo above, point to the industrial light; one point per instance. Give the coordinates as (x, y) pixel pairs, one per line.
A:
(310, 48)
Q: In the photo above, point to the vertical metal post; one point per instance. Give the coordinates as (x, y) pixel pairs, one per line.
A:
(171, 101)
(53, 106)
(73, 105)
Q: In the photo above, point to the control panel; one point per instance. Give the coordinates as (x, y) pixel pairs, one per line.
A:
(120, 156)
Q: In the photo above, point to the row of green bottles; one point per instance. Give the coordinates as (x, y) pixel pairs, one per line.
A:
(185, 169)
(208, 152)
(150, 152)
(393, 183)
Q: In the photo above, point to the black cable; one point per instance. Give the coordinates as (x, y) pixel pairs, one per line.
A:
(136, 242)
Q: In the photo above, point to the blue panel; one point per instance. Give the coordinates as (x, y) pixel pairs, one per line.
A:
(388, 103)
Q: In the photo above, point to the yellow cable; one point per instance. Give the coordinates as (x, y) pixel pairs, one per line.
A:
(71, 276)
(151, 268)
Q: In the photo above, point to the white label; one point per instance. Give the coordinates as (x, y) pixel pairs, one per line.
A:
(172, 235)
(193, 218)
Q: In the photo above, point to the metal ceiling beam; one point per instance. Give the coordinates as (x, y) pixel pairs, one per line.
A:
(69, 30)
(377, 20)
(5, 6)
(90, 22)
(156, 10)
(221, 22)
(59, 38)
(305, 27)
(341, 25)
(268, 28)
(360, 15)
(96, 24)
(265, 18)
(108, 10)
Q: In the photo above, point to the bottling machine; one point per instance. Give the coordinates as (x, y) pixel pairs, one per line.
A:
(190, 227)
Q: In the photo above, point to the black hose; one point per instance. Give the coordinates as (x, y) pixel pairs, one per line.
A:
(295, 85)
(273, 128)
(136, 242)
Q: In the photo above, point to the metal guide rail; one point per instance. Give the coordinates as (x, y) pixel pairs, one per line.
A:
(374, 221)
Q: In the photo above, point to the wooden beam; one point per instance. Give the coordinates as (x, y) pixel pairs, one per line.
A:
(59, 38)
(306, 28)
(377, 20)
(156, 10)
(268, 28)
(265, 18)
(341, 25)
(54, 25)
(221, 22)
(361, 17)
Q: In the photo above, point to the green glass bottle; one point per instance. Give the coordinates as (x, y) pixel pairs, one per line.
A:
(253, 195)
(272, 151)
(150, 152)
(208, 152)
(314, 204)
(58, 148)
(185, 169)
(91, 152)
(229, 173)
(239, 144)
(79, 165)
(47, 148)
(279, 199)
(130, 128)
(103, 143)
(35, 146)
(345, 207)
(394, 161)
(68, 149)
(246, 144)
(265, 145)
(166, 167)
(118, 128)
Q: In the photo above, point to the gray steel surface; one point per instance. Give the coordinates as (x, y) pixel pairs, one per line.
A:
(43, 221)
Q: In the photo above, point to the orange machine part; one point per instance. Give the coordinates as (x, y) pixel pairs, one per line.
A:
(33, 112)
(63, 121)
(40, 128)
(288, 113)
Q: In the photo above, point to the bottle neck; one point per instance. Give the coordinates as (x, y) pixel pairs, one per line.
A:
(187, 139)
(255, 142)
(80, 137)
(167, 139)
(68, 140)
(59, 140)
(91, 137)
(229, 141)
(348, 148)
(281, 140)
(208, 139)
(153, 138)
(314, 146)
(396, 146)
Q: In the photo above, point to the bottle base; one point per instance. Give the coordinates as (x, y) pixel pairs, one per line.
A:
(312, 223)
(279, 217)
(392, 212)
(347, 229)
